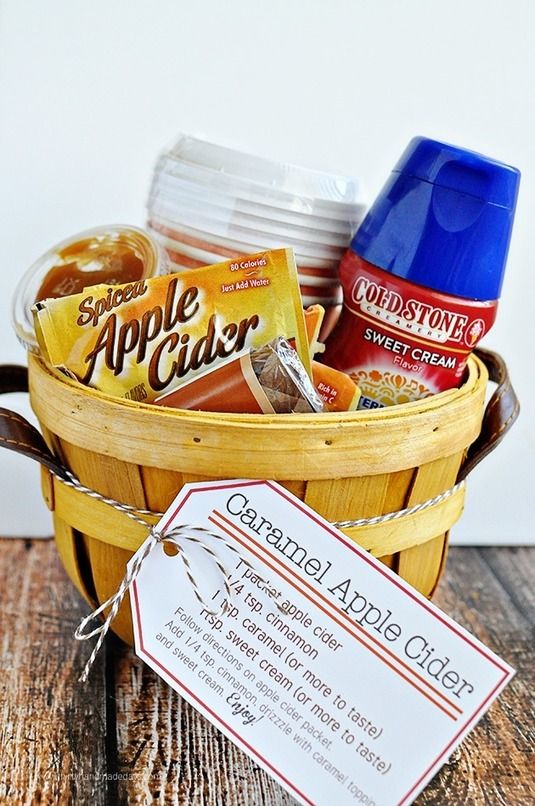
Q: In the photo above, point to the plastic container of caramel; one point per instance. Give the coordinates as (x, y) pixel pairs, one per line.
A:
(110, 254)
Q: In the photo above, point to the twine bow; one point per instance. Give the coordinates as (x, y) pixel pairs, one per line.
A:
(176, 536)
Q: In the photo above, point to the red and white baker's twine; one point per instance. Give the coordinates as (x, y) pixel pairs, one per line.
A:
(178, 536)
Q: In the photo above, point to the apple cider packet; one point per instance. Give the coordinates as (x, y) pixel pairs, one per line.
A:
(141, 339)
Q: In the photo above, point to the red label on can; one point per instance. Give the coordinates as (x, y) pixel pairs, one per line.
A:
(400, 341)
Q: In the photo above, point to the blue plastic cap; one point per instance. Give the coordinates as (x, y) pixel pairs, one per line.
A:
(443, 220)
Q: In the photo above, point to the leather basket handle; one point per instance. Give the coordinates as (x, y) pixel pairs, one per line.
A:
(17, 434)
(500, 412)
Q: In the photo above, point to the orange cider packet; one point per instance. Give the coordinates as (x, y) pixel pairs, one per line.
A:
(337, 390)
(138, 340)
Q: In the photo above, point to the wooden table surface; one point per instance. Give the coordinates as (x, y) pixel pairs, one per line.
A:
(126, 738)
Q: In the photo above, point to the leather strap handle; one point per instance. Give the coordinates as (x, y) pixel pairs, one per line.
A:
(18, 435)
(500, 412)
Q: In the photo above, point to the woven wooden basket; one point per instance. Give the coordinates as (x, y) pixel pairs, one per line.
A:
(346, 466)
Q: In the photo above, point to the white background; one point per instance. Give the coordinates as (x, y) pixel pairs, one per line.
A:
(91, 92)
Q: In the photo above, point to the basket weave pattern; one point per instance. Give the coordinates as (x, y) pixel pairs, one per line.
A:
(345, 466)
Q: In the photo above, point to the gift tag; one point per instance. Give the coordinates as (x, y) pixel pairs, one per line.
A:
(333, 674)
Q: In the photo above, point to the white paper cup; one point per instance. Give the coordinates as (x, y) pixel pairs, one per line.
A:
(230, 247)
(276, 180)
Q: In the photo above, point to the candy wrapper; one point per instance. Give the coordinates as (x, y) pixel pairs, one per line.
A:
(269, 380)
(338, 391)
(145, 338)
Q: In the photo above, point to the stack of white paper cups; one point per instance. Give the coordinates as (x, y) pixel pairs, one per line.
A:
(208, 203)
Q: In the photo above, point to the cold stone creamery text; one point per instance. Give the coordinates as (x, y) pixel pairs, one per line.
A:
(117, 340)
(412, 315)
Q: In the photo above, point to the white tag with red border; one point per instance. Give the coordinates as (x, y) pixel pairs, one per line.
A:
(333, 674)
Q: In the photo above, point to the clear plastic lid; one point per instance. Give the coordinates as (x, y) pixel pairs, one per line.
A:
(227, 193)
(280, 177)
(172, 186)
(186, 205)
(271, 183)
(110, 254)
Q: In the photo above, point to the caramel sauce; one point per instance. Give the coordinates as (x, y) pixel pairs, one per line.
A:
(95, 260)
